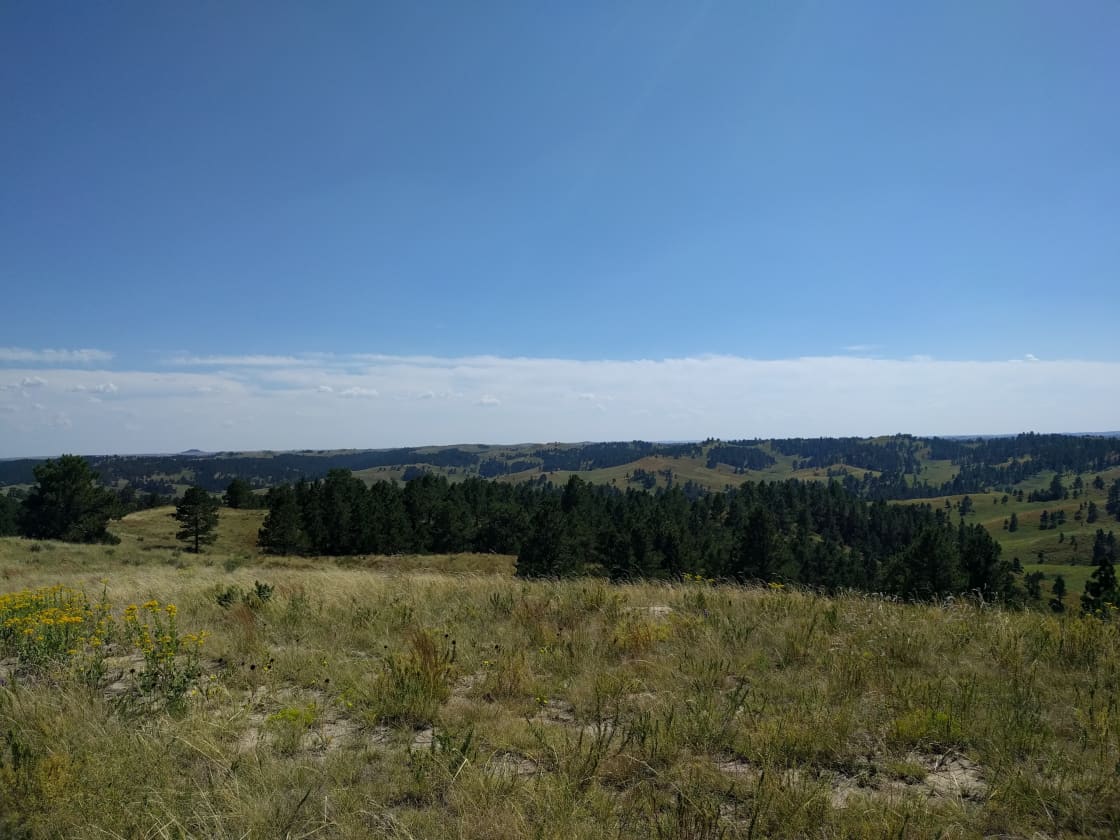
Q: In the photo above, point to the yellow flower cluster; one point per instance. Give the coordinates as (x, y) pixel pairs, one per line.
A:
(697, 578)
(151, 627)
(56, 622)
(46, 623)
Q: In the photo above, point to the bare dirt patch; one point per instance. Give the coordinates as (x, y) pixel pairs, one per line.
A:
(511, 764)
(121, 672)
(950, 776)
(331, 729)
(556, 711)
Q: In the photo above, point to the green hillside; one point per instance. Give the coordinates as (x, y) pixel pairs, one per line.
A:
(896, 467)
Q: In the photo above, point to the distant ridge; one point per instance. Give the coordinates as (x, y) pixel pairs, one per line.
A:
(894, 467)
(1016, 434)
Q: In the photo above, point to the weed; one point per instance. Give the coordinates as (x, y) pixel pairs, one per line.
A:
(171, 662)
(289, 726)
(411, 687)
(254, 599)
(435, 767)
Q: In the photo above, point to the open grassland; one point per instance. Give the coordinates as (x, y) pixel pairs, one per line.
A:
(387, 697)
(154, 530)
(696, 470)
(683, 469)
(1062, 550)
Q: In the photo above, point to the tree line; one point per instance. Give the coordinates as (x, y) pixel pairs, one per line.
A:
(811, 533)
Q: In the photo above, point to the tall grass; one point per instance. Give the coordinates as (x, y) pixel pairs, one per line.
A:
(356, 703)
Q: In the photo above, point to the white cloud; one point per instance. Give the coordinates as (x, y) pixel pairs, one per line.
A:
(435, 400)
(32, 382)
(53, 357)
(1031, 357)
(240, 361)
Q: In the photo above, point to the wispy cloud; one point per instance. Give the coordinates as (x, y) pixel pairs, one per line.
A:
(53, 357)
(355, 391)
(326, 401)
(184, 360)
(24, 384)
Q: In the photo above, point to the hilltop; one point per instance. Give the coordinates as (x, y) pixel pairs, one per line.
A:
(894, 467)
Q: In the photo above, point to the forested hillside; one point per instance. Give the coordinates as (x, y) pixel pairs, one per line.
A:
(806, 532)
(898, 467)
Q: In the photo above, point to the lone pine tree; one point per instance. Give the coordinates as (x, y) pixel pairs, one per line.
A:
(197, 512)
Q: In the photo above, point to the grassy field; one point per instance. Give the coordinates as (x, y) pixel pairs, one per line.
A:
(1065, 550)
(439, 697)
(684, 469)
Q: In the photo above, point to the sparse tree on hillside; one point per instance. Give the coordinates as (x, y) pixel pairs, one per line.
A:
(1033, 582)
(1013, 523)
(1101, 588)
(1058, 593)
(197, 513)
(1112, 505)
(239, 494)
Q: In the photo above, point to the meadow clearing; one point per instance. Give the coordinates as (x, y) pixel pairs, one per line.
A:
(439, 696)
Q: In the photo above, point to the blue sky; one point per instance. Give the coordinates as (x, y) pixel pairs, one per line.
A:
(274, 198)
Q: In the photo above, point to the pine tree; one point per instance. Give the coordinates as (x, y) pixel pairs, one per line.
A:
(281, 532)
(1058, 593)
(66, 503)
(197, 512)
(548, 550)
(239, 494)
(756, 551)
(1101, 588)
(9, 514)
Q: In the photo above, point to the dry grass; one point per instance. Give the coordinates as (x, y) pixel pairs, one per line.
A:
(353, 702)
